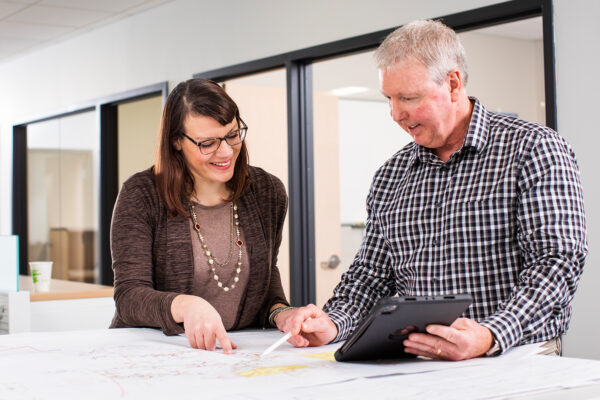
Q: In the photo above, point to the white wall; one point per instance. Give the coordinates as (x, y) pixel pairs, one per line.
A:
(180, 38)
(576, 34)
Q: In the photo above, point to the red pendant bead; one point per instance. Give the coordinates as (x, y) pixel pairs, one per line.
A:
(197, 227)
(239, 243)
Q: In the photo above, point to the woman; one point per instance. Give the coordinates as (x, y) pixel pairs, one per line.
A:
(195, 238)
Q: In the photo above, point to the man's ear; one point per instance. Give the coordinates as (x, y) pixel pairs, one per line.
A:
(454, 81)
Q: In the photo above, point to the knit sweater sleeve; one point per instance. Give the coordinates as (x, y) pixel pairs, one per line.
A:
(133, 231)
(273, 200)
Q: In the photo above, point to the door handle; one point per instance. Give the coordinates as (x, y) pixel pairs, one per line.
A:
(332, 263)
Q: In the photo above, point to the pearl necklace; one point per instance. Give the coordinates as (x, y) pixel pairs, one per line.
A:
(212, 261)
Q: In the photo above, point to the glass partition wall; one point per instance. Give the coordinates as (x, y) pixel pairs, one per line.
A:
(67, 171)
(353, 136)
(62, 186)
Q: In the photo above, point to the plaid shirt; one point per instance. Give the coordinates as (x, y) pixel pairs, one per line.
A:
(502, 220)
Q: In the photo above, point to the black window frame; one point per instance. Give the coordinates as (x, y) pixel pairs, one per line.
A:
(298, 65)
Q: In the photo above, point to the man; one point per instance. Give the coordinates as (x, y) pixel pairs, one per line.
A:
(479, 203)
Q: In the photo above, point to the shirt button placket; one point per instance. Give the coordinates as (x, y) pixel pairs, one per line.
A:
(443, 172)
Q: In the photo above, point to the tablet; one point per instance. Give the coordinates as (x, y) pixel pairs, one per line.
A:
(381, 333)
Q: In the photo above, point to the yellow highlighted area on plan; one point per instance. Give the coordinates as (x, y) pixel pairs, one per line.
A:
(270, 370)
(323, 356)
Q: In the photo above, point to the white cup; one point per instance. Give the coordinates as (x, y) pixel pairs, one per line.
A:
(41, 273)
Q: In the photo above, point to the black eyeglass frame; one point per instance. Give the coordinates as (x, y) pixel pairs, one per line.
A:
(243, 130)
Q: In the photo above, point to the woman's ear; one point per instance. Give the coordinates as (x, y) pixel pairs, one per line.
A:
(177, 144)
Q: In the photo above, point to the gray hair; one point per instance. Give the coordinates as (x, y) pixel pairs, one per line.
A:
(430, 42)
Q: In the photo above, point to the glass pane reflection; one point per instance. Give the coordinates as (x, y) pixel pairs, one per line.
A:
(62, 179)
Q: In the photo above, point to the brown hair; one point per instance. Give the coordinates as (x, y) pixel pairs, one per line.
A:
(173, 180)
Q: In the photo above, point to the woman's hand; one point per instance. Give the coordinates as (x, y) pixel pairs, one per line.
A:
(202, 323)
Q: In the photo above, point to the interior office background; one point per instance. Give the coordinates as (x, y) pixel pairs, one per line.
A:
(180, 38)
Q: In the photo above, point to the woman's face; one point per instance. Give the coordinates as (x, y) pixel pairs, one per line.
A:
(211, 168)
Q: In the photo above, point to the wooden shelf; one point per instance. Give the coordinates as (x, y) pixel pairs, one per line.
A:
(64, 290)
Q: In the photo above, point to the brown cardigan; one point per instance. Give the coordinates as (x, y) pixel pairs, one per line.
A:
(153, 261)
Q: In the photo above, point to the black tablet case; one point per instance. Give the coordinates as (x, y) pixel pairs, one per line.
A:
(392, 319)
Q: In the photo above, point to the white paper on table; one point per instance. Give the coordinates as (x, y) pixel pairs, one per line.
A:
(144, 363)
(536, 374)
(136, 363)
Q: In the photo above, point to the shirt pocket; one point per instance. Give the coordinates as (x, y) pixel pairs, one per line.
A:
(486, 228)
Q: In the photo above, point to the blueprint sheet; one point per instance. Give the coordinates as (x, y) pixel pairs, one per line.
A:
(146, 364)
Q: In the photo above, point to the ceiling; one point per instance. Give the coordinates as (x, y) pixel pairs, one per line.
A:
(28, 25)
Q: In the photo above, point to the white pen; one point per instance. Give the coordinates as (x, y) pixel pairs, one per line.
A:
(277, 344)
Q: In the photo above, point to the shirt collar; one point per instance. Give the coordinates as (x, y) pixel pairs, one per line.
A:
(475, 138)
(478, 130)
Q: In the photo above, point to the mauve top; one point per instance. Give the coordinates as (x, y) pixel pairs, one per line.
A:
(153, 261)
(219, 231)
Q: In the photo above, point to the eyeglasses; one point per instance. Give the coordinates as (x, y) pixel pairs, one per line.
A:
(233, 138)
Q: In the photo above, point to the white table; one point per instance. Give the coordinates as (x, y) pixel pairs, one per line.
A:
(144, 363)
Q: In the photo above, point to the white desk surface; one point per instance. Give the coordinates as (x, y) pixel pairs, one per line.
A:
(145, 364)
(63, 290)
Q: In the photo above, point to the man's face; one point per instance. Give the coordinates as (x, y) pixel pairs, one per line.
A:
(420, 106)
